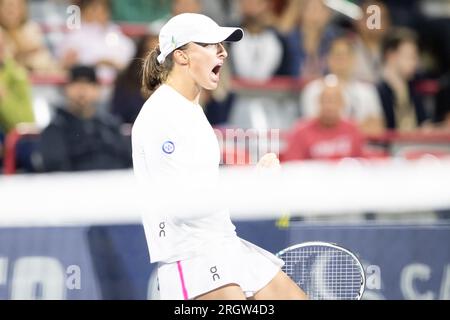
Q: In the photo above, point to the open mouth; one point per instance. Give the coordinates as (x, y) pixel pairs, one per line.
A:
(216, 69)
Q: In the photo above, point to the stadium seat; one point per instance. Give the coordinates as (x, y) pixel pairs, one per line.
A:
(19, 147)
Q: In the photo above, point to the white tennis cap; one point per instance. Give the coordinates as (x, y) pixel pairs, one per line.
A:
(193, 27)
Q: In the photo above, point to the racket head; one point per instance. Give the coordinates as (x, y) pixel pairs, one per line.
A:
(325, 271)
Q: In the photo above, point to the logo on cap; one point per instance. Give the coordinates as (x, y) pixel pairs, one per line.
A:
(168, 147)
(174, 43)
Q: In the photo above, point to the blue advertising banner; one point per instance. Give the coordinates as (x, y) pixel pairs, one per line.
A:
(46, 263)
(111, 262)
(401, 261)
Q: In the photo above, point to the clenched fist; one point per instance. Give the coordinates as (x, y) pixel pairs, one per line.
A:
(269, 160)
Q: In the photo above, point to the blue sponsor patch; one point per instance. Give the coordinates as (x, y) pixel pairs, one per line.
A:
(168, 147)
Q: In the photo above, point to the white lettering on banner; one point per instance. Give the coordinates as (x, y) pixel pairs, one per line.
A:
(445, 287)
(373, 295)
(257, 142)
(30, 273)
(73, 281)
(3, 271)
(374, 20)
(40, 277)
(373, 277)
(74, 19)
(409, 275)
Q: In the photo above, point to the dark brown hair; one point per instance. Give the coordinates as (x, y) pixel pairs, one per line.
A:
(395, 38)
(345, 38)
(131, 77)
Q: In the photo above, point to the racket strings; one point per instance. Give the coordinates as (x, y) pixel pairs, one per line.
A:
(324, 273)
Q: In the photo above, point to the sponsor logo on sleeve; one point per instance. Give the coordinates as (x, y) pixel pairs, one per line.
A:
(168, 147)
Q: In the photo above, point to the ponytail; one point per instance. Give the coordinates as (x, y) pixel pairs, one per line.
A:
(153, 73)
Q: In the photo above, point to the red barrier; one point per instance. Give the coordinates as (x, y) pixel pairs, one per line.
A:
(11, 141)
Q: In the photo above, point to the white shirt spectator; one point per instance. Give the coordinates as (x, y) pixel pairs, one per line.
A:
(361, 100)
(257, 56)
(94, 43)
(368, 65)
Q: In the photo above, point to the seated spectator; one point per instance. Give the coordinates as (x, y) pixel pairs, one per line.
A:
(443, 113)
(260, 54)
(368, 64)
(15, 92)
(362, 103)
(178, 7)
(79, 138)
(23, 38)
(224, 12)
(186, 6)
(98, 42)
(285, 14)
(328, 136)
(402, 105)
(308, 42)
(434, 31)
(127, 97)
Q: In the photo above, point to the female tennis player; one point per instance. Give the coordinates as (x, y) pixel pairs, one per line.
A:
(199, 255)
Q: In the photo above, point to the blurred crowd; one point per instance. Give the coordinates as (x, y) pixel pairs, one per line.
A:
(365, 68)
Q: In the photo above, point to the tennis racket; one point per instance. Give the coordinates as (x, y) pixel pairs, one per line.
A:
(324, 271)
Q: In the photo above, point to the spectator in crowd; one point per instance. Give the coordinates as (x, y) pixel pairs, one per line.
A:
(259, 55)
(433, 28)
(178, 7)
(328, 136)
(309, 41)
(98, 42)
(23, 38)
(79, 138)
(402, 105)
(184, 6)
(224, 12)
(127, 97)
(368, 64)
(15, 92)
(362, 103)
(442, 117)
(286, 14)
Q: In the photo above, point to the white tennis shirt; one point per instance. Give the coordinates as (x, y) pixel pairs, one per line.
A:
(173, 139)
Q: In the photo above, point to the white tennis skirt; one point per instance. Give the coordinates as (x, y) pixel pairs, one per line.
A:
(239, 262)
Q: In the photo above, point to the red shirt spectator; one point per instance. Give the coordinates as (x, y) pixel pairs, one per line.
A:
(311, 140)
(328, 136)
